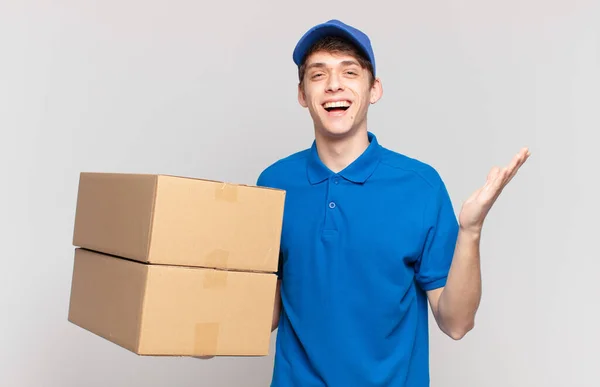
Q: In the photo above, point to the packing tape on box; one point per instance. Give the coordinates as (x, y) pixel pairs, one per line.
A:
(206, 339)
(217, 258)
(215, 279)
(226, 192)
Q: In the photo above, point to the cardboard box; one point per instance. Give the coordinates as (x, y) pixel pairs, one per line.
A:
(176, 266)
(163, 219)
(172, 310)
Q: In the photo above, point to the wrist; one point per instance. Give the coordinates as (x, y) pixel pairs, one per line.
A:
(471, 233)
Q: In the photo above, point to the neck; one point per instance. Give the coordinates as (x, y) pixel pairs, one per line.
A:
(339, 152)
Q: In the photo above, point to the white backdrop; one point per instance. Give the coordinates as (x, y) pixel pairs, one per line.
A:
(209, 90)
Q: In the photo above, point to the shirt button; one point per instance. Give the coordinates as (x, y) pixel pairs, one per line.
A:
(336, 180)
(331, 205)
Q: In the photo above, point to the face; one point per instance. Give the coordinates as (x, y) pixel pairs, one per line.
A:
(337, 92)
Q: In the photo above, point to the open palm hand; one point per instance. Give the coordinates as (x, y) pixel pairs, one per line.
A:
(477, 206)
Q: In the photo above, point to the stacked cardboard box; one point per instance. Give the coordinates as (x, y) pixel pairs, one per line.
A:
(176, 266)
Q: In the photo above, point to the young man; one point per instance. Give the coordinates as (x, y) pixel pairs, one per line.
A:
(370, 240)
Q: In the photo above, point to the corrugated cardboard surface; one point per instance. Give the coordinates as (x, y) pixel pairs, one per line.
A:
(114, 213)
(172, 310)
(180, 221)
(107, 297)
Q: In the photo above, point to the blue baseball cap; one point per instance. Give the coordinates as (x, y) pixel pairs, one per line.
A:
(333, 28)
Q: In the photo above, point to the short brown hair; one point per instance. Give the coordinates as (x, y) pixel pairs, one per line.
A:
(337, 45)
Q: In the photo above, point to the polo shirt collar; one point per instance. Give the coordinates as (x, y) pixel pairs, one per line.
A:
(357, 172)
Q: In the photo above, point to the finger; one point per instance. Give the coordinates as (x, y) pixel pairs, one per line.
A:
(496, 186)
(493, 174)
(498, 178)
(522, 157)
(502, 176)
(515, 164)
(516, 161)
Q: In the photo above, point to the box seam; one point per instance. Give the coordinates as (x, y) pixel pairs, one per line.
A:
(192, 267)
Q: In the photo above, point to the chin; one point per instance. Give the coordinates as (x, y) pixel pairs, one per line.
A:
(336, 131)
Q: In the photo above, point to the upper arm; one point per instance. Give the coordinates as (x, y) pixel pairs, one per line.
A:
(441, 231)
(433, 266)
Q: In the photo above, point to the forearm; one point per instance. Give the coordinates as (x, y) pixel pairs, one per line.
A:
(460, 298)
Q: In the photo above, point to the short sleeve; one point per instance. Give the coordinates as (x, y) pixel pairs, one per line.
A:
(441, 227)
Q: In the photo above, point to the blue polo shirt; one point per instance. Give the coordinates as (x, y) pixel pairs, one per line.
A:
(359, 250)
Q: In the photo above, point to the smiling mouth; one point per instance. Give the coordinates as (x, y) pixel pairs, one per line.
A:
(337, 107)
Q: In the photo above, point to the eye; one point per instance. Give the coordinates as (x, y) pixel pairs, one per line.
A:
(316, 75)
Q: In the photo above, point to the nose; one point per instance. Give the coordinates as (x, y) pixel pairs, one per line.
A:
(333, 83)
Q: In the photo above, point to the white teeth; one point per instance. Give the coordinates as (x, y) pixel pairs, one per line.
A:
(336, 104)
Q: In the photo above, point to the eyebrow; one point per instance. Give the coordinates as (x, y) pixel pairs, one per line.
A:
(322, 65)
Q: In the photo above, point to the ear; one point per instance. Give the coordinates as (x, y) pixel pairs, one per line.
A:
(376, 91)
(301, 96)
